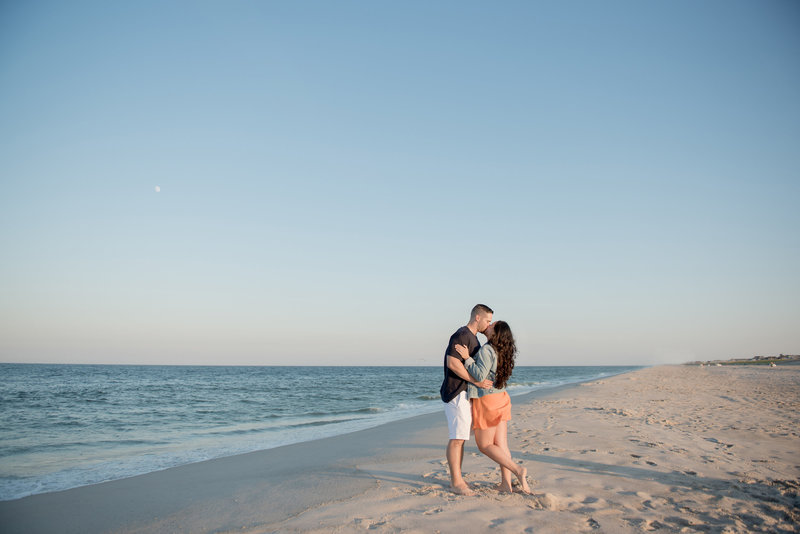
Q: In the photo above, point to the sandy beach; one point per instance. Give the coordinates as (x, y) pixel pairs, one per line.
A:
(671, 449)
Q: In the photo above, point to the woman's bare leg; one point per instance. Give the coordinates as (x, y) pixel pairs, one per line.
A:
(485, 441)
(501, 440)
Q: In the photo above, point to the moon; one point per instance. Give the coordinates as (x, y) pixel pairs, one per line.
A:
(158, 189)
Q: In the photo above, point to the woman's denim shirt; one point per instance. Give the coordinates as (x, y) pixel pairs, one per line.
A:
(482, 366)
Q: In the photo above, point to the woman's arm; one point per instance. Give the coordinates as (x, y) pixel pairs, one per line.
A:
(470, 368)
(480, 365)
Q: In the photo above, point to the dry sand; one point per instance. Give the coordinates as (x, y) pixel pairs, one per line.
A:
(670, 449)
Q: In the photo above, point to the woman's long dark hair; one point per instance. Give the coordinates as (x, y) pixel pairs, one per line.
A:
(506, 348)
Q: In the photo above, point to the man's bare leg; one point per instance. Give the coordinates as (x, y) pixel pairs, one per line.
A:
(455, 454)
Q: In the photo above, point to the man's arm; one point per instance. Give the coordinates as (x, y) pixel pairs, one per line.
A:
(455, 365)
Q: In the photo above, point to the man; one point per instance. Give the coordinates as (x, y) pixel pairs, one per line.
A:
(454, 392)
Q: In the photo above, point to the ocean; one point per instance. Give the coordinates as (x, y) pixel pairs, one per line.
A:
(64, 426)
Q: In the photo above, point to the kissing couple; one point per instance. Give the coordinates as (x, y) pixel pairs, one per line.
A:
(475, 397)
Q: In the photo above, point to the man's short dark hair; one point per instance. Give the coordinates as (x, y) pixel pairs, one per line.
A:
(480, 308)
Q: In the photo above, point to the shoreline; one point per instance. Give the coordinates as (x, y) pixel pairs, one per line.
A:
(642, 450)
(109, 468)
(277, 481)
(247, 473)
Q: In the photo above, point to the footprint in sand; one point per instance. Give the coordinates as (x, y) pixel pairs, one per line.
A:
(653, 525)
(426, 490)
(635, 522)
(718, 442)
(368, 523)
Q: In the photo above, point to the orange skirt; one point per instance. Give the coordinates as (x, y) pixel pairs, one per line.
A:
(489, 410)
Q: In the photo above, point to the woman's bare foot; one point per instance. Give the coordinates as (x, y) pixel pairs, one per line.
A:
(523, 481)
(462, 490)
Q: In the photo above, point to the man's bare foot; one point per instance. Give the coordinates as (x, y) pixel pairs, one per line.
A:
(502, 488)
(462, 490)
(523, 481)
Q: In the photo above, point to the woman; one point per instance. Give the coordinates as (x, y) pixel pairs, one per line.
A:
(491, 408)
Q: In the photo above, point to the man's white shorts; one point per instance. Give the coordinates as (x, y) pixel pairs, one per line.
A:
(459, 416)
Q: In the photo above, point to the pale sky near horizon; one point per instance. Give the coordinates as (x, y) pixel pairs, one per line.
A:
(340, 182)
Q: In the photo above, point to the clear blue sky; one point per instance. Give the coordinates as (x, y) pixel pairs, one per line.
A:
(342, 181)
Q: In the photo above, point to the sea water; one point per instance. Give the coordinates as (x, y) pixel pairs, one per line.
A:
(64, 426)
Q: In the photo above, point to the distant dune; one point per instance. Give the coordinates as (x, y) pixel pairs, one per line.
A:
(782, 359)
